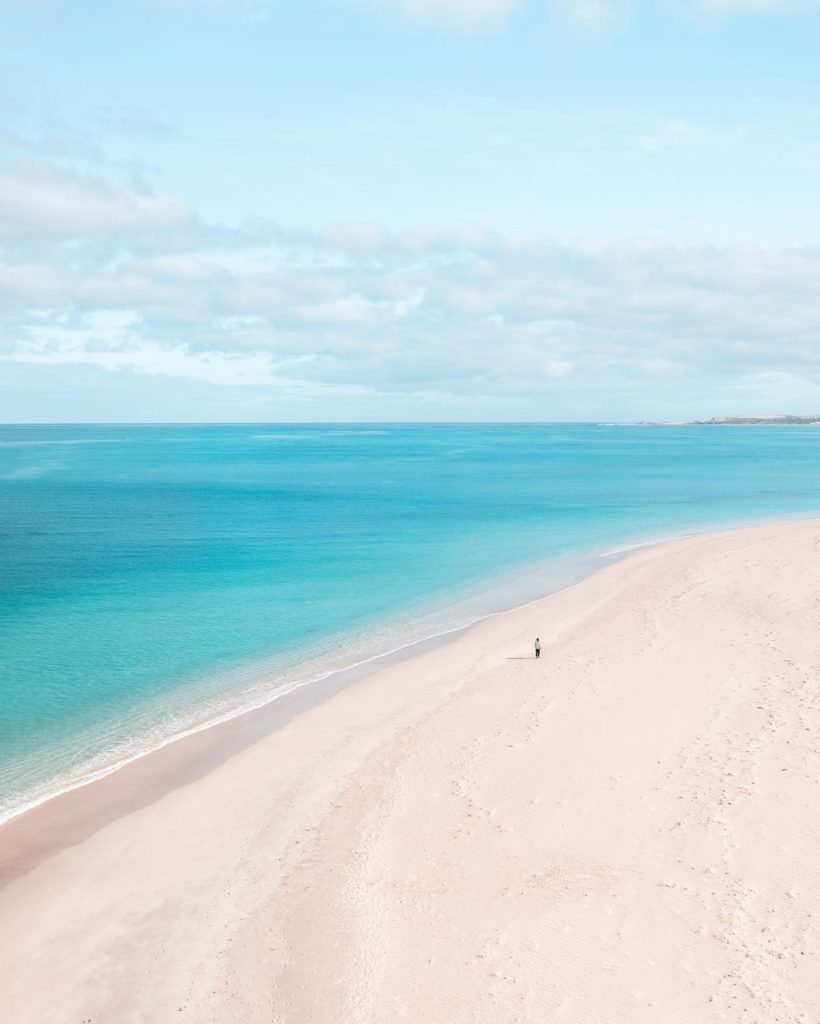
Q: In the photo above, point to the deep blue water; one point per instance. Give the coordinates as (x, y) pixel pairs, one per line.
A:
(150, 573)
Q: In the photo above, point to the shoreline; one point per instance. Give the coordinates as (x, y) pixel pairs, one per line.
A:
(620, 831)
(72, 814)
(35, 830)
(507, 587)
(75, 813)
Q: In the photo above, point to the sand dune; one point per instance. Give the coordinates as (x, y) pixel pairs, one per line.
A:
(624, 831)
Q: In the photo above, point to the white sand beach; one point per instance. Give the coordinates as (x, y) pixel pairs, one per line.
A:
(624, 831)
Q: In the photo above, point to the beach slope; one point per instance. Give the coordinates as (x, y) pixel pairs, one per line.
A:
(623, 831)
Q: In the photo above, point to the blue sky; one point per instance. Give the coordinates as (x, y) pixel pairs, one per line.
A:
(408, 209)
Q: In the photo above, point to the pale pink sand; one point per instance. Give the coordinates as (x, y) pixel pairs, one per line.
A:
(626, 831)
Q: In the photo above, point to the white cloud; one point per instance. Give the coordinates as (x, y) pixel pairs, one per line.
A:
(727, 7)
(583, 15)
(69, 348)
(597, 15)
(97, 274)
(462, 15)
(402, 315)
(37, 201)
(589, 15)
(478, 15)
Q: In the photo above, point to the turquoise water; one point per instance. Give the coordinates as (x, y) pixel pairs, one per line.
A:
(154, 576)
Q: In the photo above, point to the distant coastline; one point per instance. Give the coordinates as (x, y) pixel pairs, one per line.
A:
(740, 421)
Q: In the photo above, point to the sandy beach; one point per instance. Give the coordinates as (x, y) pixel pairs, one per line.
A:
(623, 831)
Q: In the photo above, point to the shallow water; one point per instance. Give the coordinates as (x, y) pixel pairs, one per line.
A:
(153, 577)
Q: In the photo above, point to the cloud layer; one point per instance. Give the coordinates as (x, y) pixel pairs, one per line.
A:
(97, 275)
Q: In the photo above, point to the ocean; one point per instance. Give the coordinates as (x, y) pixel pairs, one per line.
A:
(157, 578)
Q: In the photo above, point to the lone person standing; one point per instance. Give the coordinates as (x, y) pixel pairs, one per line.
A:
(537, 648)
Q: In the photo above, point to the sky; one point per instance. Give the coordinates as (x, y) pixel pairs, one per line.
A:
(274, 210)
